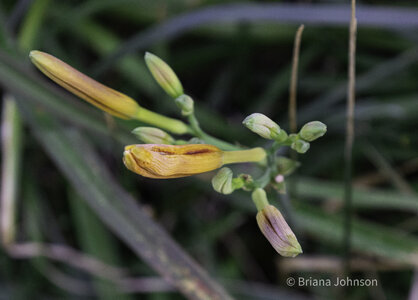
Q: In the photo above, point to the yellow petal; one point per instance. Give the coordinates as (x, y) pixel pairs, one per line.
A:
(172, 161)
(105, 98)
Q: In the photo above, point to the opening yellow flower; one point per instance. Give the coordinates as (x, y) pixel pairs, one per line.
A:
(173, 161)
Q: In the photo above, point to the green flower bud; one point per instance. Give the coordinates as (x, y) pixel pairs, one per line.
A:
(186, 104)
(222, 181)
(196, 140)
(164, 75)
(263, 126)
(286, 166)
(293, 137)
(277, 232)
(312, 130)
(152, 135)
(300, 146)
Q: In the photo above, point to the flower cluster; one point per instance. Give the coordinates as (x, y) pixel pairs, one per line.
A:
(164, 156)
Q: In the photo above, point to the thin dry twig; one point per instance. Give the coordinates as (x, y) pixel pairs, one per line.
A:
(294, 81)
(350, 135)
(66, 255)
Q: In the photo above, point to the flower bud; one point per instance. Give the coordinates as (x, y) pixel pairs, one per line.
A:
(186, 104)
(164, 75)
(152, 135)
(300, 146)
(312, 130)
(196, 140)
(222, 181)
(171, 161)
(293, 137)
(263, 126)
(101, 96)
(278, 233)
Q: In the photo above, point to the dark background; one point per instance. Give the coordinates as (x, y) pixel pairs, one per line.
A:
(233, 60)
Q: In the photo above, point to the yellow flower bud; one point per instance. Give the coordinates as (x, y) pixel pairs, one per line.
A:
(169, 161)
(173, 161)
(278, 233)
(105, 98)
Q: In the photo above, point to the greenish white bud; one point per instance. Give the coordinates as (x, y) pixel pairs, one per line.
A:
(300, 146)
(293, 137)
(196, 140)
(186, 104)
(312, 130)
(152, 135)
(263, 126)
(222, 181)
(164, 75)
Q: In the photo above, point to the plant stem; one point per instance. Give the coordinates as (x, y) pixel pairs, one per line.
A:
(240, 156)
(293, 81)
(195, 127)
(169, 124)
(349, 137)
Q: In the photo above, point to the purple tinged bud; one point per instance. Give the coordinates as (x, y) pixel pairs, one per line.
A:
(278, 233)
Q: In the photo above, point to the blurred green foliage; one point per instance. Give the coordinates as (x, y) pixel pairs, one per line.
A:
(231, 69)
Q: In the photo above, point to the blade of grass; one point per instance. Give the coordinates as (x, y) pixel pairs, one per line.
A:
(363, 198)
(96, 241)
(11, 129)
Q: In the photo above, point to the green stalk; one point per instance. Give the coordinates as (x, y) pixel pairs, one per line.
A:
(242, 156)
(169, 124)
(195, 127)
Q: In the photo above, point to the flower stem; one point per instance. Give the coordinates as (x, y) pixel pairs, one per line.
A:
(195, 127)
(240, 156)
(169, 124)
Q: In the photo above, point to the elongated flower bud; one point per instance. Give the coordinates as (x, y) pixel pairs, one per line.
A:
(163, 161)
(265, 127)
(152, 135)
(164, 75)
(222, 181)
(278, 233)
(99, 95)
(312, 130)
(172, 161)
